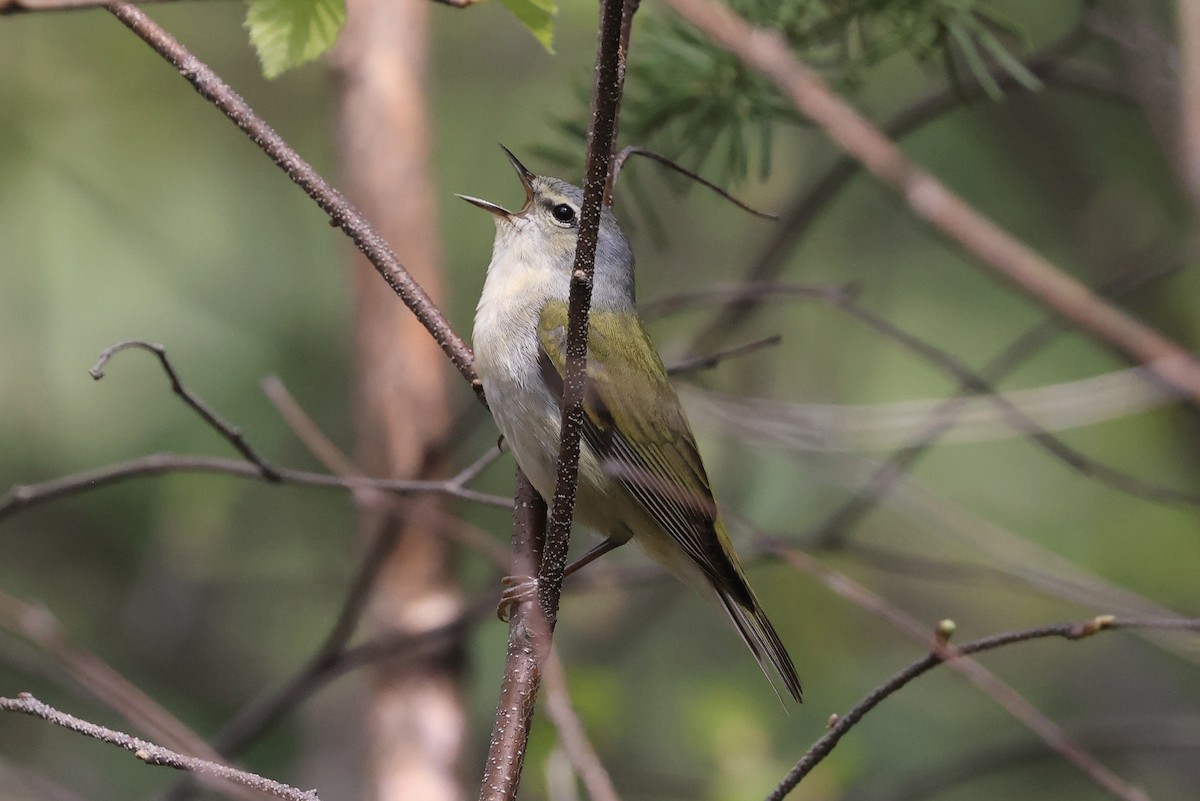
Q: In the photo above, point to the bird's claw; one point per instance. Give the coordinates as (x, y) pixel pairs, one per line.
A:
(517, 589)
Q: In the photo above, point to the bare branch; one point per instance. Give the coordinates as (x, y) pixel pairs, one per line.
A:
(22, 497)
(571, 733)
(714, 359)
(944, 653)
(973, 382)
(970, 382)
(153, 754)
(29, 6)
(341, 212)
(38, 625)
(835, 528)
(230, 433)
(805, 210)
(632, 150)
(983, 679)
(306, 430)
(606, 97)
(768, 53)
(532, 625)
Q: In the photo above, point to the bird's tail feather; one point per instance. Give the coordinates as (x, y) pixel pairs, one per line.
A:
(760, 637)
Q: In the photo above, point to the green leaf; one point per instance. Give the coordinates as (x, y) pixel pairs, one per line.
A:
(1008, 61)
(287, 33)
(537, 16)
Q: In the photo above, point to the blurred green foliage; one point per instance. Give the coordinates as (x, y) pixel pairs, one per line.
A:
(698, 104)
(129, 208)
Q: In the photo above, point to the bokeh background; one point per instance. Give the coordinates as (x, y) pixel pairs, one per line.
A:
(129, 208)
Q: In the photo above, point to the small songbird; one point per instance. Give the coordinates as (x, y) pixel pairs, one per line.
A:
(640, 473)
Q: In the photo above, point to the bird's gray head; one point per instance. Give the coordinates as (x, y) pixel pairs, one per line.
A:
(543, 234)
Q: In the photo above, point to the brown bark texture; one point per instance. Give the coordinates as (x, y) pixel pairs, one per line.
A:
(415, 719)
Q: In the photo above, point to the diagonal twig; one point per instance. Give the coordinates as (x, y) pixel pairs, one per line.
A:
(38, 625)
(633, 150)
(341, 212)
(232, 434)
(944, 653)
(714, 359)
(805, 210)
(972, 384)
(978, 675)
(153, 754)
(838, 524)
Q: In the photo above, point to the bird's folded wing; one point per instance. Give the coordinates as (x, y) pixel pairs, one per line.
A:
(634, 423)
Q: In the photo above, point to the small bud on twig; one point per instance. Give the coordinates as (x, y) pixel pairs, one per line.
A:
(944, 631)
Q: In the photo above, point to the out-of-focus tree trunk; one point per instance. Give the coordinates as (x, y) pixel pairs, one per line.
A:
(415, 718)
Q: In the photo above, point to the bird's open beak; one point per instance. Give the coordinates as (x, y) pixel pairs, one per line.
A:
(526, 181)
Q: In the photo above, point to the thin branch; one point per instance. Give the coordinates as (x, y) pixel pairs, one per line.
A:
(530, 631)
(714, 359)
(334, 659)
(749, 291)
(944, 653)
(232, 434)
(1122, 735)
(153, 754)
(632, 150)
(768, 53)
(572, 735)
(8, 7)
(38, 625)
(805, 210)
(341, 212)
(969, 380)
(983, 679)
(336, 460)
(306, 430)
(837, 526)
(973, 382)
(606, 98)
(24, 496)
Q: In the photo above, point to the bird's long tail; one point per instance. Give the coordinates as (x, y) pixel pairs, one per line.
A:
(760, 637)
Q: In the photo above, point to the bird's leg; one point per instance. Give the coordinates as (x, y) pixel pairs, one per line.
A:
(520, 588)
(592, 555)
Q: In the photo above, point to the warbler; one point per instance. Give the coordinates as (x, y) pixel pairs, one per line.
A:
(640, 474)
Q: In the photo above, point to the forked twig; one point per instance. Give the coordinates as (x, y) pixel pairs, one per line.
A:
(231, 433)
(945, 653)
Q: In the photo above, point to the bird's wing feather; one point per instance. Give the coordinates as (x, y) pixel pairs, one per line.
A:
(635, 424)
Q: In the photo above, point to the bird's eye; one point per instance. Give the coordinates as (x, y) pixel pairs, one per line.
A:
(563, 213)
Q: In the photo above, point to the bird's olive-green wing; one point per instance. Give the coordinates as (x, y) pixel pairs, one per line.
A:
(634, 423)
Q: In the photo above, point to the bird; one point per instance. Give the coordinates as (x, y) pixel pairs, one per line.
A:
(641, 475)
